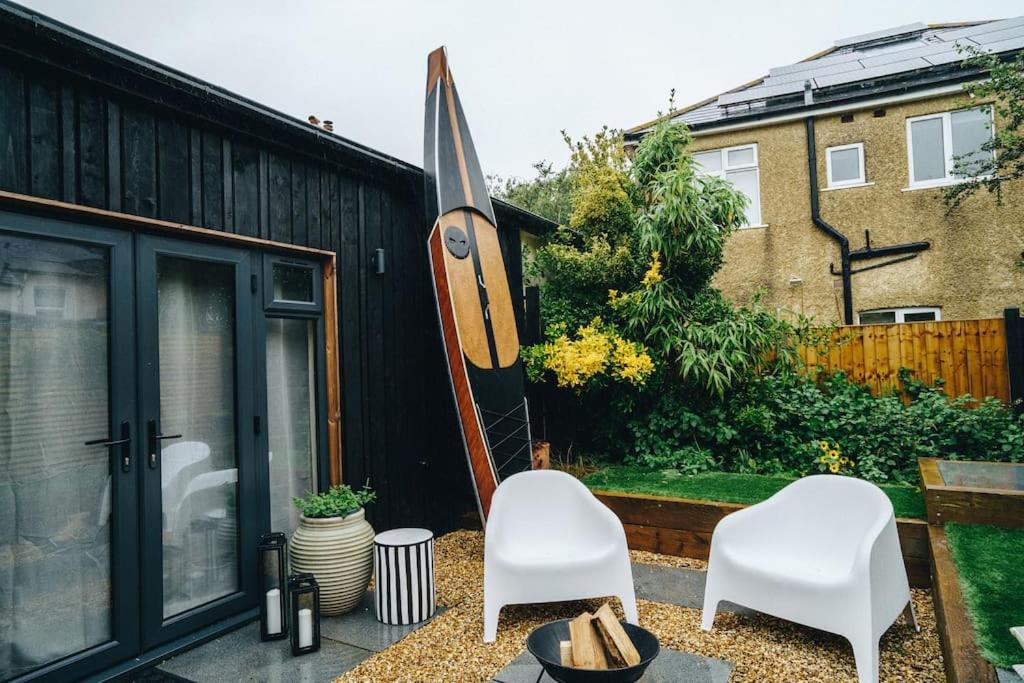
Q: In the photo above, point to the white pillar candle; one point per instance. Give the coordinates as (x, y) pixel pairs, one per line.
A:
(305, 627)
(273, 611)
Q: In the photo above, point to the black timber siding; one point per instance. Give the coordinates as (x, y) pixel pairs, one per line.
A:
(83, 123)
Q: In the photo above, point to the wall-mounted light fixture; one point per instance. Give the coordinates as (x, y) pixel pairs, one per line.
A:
(378, 261)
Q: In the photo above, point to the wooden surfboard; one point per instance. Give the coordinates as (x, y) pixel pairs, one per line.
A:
(474, 301)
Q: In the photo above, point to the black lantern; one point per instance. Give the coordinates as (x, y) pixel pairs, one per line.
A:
(271, 560)
(304, 609)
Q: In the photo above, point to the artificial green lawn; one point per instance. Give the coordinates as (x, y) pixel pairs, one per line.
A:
(724, 487)
(988, 560)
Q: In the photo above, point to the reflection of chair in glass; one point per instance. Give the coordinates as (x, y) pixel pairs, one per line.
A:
(201, 539)
(179, 464)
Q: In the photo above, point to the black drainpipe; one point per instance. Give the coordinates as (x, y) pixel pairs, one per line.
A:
(819, 222)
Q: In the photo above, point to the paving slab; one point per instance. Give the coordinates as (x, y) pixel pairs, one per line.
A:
(361, 628)
(1009, 676)
(676, 586)
(241, 656)
(671, 666)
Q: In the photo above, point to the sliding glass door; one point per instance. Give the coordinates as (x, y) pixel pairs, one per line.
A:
(196, 412)
(67, 469)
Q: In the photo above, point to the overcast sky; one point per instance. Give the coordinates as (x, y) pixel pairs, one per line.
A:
(525, 68)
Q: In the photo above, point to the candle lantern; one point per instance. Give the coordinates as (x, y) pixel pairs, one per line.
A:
(271, 560)
(304, 611)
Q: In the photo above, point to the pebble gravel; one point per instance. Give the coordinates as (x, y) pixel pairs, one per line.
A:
(761, 649)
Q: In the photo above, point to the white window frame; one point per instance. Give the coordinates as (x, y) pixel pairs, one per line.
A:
(901, 313)
(725, 167)
(859, 180)
(947, 145)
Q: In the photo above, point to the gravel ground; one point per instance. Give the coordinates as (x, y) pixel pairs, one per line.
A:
(762, 649)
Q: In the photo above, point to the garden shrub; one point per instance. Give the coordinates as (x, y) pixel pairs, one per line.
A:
(652, 365)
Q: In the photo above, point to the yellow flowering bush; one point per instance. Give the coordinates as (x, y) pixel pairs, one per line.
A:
(832, 459)
(653, 274)
(595, 350)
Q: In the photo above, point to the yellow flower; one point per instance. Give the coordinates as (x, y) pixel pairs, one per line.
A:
(822, 459)
(653, 274)
(834, 467)
(613, 294)
(631, 361)
(833, 454)
(824, 445)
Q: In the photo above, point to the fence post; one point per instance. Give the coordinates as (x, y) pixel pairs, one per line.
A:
(1015, 356)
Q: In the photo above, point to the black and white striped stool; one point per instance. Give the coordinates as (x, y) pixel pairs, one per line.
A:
(403, 562)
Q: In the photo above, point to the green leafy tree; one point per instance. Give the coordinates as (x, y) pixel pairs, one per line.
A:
(1003, 158)
(683, 222)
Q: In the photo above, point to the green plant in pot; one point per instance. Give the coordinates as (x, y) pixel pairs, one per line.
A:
(334, 542)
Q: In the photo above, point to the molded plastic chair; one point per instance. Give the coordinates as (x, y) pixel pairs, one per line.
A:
(549, 539)
(822, 552)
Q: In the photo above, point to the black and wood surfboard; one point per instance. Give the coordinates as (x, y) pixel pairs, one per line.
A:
(474, 301)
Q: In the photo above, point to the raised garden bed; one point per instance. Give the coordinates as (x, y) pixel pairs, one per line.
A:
(725, 487)
(683, 527)
(973, 492)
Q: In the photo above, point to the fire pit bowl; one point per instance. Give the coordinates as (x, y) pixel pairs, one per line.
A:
(543, 644)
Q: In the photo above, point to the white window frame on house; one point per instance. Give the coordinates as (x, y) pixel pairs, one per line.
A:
(861, 179)
(947, 146)
(754, 219)
(901, 313)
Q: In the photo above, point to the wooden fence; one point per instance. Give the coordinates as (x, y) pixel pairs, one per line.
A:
(970, 355)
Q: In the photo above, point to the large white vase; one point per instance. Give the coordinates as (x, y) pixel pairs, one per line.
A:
(338, 551)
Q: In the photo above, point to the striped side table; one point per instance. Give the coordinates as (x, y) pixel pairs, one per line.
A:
(403, 562)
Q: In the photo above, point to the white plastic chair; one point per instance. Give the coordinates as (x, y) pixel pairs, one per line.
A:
(822, 552)
(549, 539)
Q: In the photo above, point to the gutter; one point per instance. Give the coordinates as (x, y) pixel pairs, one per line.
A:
(820, 223)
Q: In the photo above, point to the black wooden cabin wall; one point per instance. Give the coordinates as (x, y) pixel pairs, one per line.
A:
(68, 139)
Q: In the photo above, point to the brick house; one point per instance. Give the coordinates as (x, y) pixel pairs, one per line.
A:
(844, 157)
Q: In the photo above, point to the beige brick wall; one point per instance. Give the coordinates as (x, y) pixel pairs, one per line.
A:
(970, 271)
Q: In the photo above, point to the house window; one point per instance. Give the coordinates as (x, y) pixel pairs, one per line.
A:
(738, 165)
(900, 315)
(845, 165)
(944, 148)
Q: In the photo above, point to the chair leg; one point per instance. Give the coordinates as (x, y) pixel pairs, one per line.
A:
(491, 611)
(911, 616)
(865, 653)
(707, 619)
(628, 600)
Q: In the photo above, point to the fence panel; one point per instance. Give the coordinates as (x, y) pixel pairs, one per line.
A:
(970, 355)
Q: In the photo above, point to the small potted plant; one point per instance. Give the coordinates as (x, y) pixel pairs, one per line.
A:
(334, 542)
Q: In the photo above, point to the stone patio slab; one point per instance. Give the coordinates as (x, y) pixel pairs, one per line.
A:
(361, 628)
(676, 586)
(671, 666)
(241, 656)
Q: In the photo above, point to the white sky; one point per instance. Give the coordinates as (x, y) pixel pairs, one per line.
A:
(525, 68)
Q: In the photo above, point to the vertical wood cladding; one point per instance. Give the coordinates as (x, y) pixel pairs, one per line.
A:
(73, 140)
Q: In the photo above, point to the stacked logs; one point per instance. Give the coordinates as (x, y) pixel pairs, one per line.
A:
(598, 641)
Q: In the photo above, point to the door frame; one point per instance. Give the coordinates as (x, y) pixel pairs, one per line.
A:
(154, 627)
(124, 520)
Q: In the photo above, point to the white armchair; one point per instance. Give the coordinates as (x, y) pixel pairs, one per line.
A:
(549, 539)
(822, 552)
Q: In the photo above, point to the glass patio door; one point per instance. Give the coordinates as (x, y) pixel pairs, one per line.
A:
(196, 434)
(68, 503)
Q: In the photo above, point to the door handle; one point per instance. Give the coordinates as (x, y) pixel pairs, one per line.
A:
(154, 442)
(124, 441)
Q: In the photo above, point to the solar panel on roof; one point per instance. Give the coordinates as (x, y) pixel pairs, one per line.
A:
(978, 29)
(878, 35)
(874, 72)
(902, 55)
(801, 76)
(761, 92)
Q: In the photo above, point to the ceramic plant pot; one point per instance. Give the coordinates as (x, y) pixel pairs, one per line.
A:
(338, 551)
